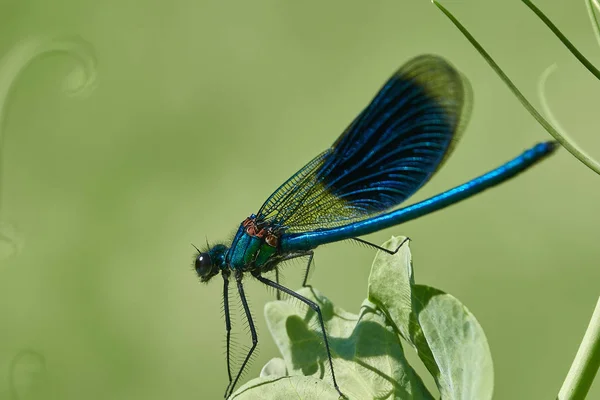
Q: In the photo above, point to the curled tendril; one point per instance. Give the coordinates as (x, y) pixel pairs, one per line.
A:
(566, 142)
(542, 82)
(27, 375)
(81, 81)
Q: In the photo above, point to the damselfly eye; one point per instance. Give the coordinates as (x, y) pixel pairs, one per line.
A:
(203, 265)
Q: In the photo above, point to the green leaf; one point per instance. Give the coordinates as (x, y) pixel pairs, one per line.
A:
(284, 388)
(368, 358)
(458, 345)
(391, 288)
(390, 284)
(446, 336)
(275, 367)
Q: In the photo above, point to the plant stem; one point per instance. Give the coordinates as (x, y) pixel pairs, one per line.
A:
(566, 142)
(586, 63)
(591, 5)
(586, 362)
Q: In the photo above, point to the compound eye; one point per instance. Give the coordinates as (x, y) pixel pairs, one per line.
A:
(203, 265)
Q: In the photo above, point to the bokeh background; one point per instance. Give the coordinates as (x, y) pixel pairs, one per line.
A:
(200, 110)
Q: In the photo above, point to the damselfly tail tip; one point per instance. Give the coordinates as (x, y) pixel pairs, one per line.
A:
(545, 149)
(552, 145)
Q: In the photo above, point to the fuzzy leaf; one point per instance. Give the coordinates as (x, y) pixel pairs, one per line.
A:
(275, 367)
(284, 388)
(458, 345)
(446, 336)
(368, 358)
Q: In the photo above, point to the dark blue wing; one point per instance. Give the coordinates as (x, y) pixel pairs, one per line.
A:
(388, 152)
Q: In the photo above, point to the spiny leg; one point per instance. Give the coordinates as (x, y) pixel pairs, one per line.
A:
(391, 252)
(310, 255)
(310, 259)
(240, 287)
(278, 293)
(227, 325)
(316, 309)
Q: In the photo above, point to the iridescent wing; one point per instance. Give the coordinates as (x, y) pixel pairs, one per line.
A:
(388, 152)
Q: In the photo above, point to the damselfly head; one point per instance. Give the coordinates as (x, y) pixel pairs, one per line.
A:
(210, 262)
(204, 267)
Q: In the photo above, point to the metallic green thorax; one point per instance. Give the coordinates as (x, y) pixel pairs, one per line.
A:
(252, 247)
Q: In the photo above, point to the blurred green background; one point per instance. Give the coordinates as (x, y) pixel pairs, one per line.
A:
(200, 110)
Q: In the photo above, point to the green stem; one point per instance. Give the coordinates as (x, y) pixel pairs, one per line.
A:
(586, 362)
(590, 5)
(590, 67)
(544, 101)
(568, 144)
